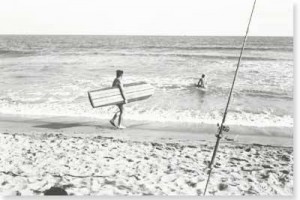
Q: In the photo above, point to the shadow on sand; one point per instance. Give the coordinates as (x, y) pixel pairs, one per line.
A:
(61, 125)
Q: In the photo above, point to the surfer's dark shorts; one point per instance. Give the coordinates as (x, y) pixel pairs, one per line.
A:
(121, 106)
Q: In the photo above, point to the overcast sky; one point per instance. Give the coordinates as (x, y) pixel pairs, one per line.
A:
(146, 17)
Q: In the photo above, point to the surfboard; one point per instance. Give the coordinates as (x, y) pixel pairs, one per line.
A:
(112, 95)
(201, 88)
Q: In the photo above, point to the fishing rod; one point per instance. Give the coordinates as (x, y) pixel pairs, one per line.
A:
(222, 127)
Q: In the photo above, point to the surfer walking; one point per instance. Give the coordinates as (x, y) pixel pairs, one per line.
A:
(118, 83)
(201, 82)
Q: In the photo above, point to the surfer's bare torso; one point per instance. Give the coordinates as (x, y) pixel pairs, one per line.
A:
(118, 83)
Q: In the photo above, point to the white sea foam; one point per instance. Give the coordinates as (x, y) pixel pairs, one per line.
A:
(155, 114)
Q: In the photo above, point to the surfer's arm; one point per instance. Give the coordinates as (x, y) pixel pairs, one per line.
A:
(122, 92)
(201, 83)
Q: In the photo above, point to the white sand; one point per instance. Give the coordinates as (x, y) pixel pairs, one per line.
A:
(97, 165)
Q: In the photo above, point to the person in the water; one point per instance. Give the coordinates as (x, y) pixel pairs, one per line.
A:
(201, 82)
(118, 83)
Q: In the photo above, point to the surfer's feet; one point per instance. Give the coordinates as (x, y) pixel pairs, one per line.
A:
(121, 127)
(112, 123)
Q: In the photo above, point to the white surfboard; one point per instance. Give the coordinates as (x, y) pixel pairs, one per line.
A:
(201, 88)
(112, 95)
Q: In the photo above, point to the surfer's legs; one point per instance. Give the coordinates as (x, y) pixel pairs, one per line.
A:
(120, 114)
(121, 107)
(112, 121)
(115, 116)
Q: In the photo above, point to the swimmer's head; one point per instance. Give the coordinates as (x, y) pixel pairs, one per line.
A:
(203, 75)
(119, 73)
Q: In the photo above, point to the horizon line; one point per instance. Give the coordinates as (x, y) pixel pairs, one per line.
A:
(16, 34)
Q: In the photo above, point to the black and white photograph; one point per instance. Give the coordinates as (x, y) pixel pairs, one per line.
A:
(140, 97)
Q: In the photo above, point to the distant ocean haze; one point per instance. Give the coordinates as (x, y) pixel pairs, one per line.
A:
(50, 75)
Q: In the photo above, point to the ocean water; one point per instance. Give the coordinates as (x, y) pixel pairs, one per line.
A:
(50, 76)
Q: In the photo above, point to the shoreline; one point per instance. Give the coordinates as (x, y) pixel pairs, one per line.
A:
(140, 130)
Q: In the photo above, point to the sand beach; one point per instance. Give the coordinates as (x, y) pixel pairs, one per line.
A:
(92, 158)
